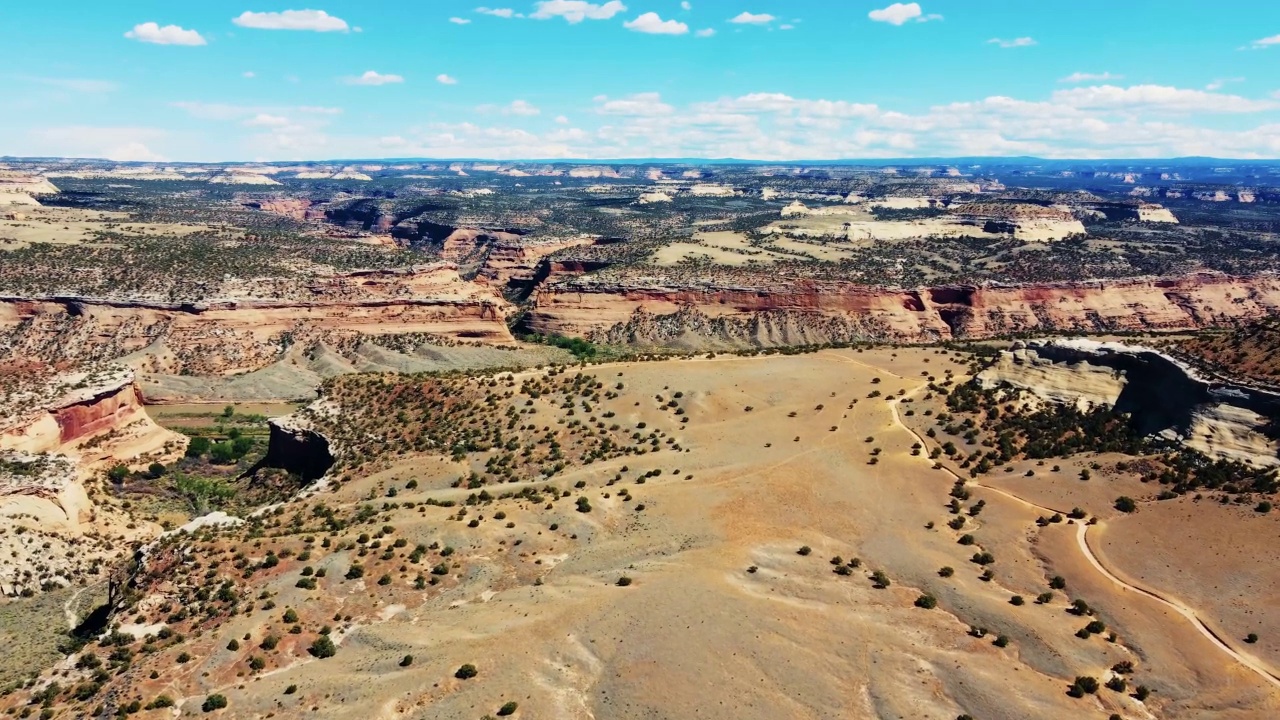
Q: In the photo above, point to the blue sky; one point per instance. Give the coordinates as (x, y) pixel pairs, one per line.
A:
(759, 79)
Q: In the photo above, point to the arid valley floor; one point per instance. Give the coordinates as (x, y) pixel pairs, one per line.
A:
(399, 448)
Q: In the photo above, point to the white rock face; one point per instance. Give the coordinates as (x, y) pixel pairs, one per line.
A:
(1152, 213)
(1046, 229)
(1162, 395)
(709, 190)
(653, 197)
(795, 209)
(351, 175)
(242, 178)
(903, 203)
(19, 183)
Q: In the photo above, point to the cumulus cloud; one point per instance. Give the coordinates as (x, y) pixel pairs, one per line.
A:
(639, 104)
(1014, 43)
(897, 13)
(516, 107)
(1079, 77)
(459, 21)
(521, 107)
(1219, 83)
(575, 11)
(562, 120)
(685, 5)
(445, 79)
(497, 12)
(1158, 97)
(124, 144)
(311, 20)
(782, 103)
(371, 77)
(652, 24)
(747, 18)
(266, 120)
(706, 32)
(1266, 42)
(149, 32)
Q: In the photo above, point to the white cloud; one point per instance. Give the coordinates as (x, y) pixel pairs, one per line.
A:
(371, 77)
(497, 12)
(319, 110)
(312, 20)
(113, 143)
(444, 79)
(653, 24)
(1079, 77)
(1158, 97)
(1266, 42)
(562, 120)
(150, 32)
(575, 11)
(1014, 43)
(746, 18)
(79, 85)
(787, 26)
(459, 21)
(213, 111)
(897, 13)
(706, 32)
(521, 107)
(266, 120)
(1219, 83)
(248, 74)
(785, 104)
(685, 5)
(515, 107)
(640, 104)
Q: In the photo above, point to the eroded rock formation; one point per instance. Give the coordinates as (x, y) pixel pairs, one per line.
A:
(247, 327)
(833, 311)
(1162, 395)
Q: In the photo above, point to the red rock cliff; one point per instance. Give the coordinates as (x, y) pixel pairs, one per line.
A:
(814, 311)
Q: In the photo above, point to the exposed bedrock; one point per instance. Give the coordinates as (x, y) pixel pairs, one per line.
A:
(296, 449)
(1162, 395)
(829, 311)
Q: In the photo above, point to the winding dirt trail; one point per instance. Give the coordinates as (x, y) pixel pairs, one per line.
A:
(1083, 543)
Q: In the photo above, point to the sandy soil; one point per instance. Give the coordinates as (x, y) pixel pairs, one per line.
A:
(724, 618)
(70, 226)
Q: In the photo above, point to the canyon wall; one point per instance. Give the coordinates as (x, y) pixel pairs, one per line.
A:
(297, 449)
(244, 328)
(793, 312)
(1162, 395)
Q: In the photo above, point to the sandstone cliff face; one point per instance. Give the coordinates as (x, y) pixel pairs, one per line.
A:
(245, 331)
(74, 409)
(1162, 395)
(297, 449)
(841, 311)
(517, 264)
(54, 437)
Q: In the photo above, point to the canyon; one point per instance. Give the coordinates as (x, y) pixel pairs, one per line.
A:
(1163, 396)
(245, 326)
(810, 312)
(55, 437)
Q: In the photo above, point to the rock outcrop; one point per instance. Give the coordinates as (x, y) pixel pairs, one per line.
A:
(834, 311)
(246, 328)
(1162, 395)
(54, 436)
(297, 449)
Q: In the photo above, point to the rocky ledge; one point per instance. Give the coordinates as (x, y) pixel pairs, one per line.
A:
(1163, 396)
